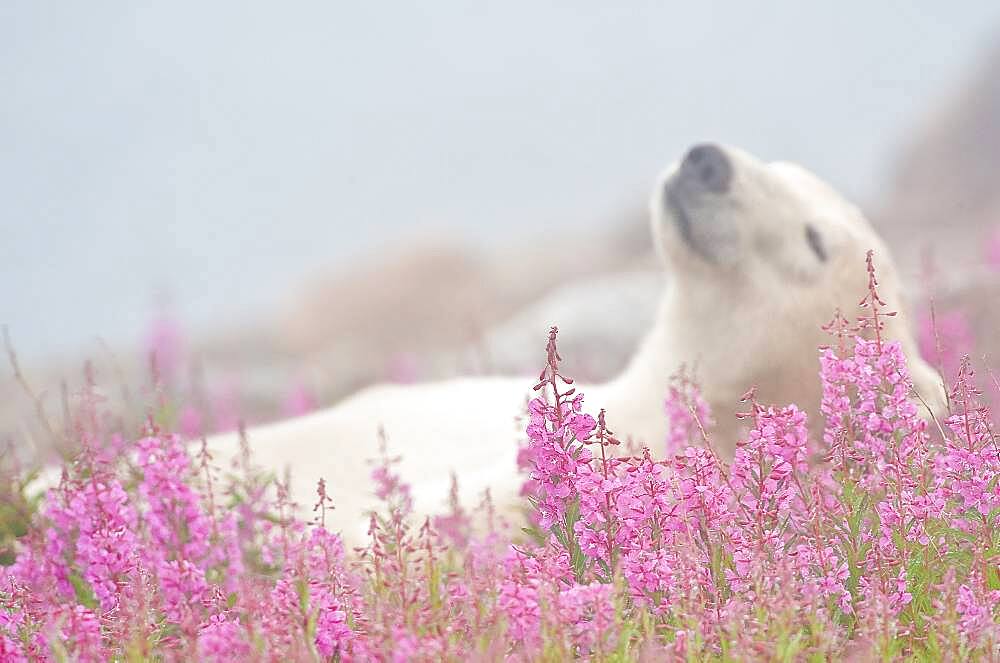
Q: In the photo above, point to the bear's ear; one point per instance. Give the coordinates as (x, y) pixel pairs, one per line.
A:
(816, 242)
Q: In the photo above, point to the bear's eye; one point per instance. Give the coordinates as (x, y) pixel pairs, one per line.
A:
(815, 241)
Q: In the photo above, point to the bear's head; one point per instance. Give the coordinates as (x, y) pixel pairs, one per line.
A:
(760, 256)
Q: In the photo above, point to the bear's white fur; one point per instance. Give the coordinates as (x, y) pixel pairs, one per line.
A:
(745, 296)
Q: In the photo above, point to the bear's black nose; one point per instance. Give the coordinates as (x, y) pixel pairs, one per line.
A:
(708, 166)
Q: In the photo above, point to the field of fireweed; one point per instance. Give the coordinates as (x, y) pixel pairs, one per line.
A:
(878, 541)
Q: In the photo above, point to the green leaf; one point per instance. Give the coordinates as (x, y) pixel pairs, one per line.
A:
(83, 591)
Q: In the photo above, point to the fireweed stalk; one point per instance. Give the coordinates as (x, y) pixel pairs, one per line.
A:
(880, 540)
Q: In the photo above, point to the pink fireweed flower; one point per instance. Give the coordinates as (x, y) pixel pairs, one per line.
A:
(557, 435)
(91, 528)
(838, 376)
(226, 553)
(703, 491)
(679, 647)
(389, 486)
(889, 595)
(455, 527)
(298, 602)
(765, 485)
(866, 401)
(650, 573)
(525, 465)
(685, 409)
(598, 494)
(966, 472)
(824, 574)
(899, 596)
(581, 425)
(178, 524)
(519, 597)
(299, 400)
(190, 423)
(332, 633)
(518, 602)
(977, 611)
(776, 448)
(315, 595)
(323, 555)
(405, 646)
(78, 631)
(165, 347)
(944, 338)
(530, 583)
(890, 520)
(836, 555)
(993, 249)
(11, 651)
(182, 587)
(557, 454)
(222, 639)
(871, 423)
(651, 519)
(589, 612)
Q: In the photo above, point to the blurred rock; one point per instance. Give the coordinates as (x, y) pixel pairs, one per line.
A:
(432, 309)
(944, 196)
(601, 320)
(942, 213)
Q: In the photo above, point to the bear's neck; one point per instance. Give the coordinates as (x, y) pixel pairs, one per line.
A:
(635, 399)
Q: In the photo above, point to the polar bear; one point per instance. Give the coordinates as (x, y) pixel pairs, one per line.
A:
(758, 256)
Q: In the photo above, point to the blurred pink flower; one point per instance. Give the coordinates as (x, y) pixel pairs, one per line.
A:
(225, 408)
(993, 249)
(79, 630)
(954, 333)
(189, 423)
(222, 639)
(164, 346)
(683, 397)
(143, 545)
(11, 651)
(403, 368)
(299, 400)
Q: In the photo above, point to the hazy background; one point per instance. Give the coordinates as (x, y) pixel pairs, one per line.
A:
(224, 153)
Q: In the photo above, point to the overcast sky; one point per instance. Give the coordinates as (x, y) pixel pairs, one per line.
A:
(223, 151)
